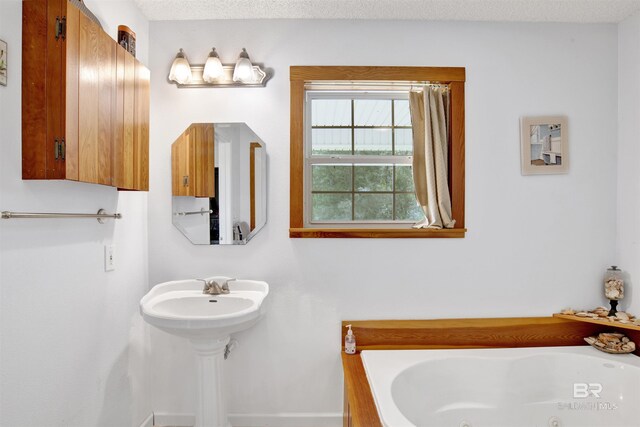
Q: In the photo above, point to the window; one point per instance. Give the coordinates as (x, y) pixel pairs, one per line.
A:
(351, 151)
(358, 159)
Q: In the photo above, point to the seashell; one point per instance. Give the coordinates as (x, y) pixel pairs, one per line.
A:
(568, 311)
(582, 314)
(622, 315)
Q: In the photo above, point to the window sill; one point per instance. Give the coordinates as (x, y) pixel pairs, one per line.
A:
(380, 233)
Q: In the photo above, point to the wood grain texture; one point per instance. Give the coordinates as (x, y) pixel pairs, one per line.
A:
(88, 106)
(361, 410)
(141, 127)
(470, 333)
(380, 233)
(181, 166)
(106, 104)
(118, 166)
(364, 73)
(54, 73)
(598, 322)
(296, 174)
(450, 334)
(71, 86)
(457, 153)
(35, 54)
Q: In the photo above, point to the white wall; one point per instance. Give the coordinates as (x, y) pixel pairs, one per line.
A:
(535, 244)
(628, 233)
(73, 346)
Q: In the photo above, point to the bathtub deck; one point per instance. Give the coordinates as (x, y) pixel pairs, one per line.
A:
(360, 409)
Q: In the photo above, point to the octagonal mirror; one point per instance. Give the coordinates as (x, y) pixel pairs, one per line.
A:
(219, 183)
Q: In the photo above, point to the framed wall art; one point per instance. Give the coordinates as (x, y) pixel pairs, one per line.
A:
(543, 145)
(3, 63)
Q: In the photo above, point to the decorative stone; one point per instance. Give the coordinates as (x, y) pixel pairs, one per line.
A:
(612, 342)
(622, 315)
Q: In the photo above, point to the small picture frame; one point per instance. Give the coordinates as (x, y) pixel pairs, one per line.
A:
(543, 145)
(3, 63)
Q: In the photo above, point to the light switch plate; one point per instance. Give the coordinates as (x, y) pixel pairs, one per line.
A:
(109, 258)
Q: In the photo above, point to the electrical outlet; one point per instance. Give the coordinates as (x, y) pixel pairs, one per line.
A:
(109, 258)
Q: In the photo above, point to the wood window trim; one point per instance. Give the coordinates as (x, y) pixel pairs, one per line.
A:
(454, 77)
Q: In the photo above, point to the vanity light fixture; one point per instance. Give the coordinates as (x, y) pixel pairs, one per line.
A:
(212, 68)
(243, 71)
(180, 69)
(214, 73)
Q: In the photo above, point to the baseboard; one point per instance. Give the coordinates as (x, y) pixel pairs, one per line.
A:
(148, 422)
(289, 419)
(174, 420)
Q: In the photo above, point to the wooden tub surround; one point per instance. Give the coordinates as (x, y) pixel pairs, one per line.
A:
(360, 408)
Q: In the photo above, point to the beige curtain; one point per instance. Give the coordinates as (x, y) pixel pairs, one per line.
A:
(429, 120)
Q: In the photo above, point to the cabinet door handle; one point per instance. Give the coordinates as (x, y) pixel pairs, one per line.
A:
(58, 27)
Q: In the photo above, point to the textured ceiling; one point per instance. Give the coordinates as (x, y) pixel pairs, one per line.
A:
(456, 10)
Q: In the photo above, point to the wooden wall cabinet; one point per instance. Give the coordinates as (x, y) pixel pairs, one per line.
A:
(85, 101)
(192, 162)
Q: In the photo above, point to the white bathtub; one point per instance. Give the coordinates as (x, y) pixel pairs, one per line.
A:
(540, 386)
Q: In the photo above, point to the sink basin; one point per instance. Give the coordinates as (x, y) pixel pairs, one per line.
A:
(180, 308)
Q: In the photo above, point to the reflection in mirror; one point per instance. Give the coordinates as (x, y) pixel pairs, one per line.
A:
(219, 183)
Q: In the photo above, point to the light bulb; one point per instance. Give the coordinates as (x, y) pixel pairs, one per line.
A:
(212, 68)
(243, 72)
(180, 69)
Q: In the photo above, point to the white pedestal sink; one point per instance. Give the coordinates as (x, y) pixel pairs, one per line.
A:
(180, 308)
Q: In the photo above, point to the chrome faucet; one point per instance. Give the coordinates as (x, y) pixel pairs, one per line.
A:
(211, 287)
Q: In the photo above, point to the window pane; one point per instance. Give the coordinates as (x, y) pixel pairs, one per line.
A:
(331, 141)
(401, 115)
(407, 208)
(331, 207)
(373, 141)
(373, 207)
(374, 178)
(372, 112)
(403, 142)
(330, 112)
(404, 179)
(331, 177)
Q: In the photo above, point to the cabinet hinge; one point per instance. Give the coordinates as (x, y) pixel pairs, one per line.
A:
(59, 149)
(61, 27)
(63, 149)
(185, 181)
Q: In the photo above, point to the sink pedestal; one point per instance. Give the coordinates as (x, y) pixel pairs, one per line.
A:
(211, 410)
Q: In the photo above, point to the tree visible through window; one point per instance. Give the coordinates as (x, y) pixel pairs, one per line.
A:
(359, 158)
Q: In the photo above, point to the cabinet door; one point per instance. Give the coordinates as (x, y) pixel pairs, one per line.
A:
(96, 91)
(141, 128)
(123, 158)
(202, 143)
(181, 166)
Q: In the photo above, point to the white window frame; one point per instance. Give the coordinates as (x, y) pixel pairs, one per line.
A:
(310, 160)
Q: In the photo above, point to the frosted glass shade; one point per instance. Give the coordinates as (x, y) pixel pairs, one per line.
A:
(180, 69)
(243, 72)
(212, 68)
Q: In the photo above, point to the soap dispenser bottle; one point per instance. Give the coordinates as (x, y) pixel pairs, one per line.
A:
(350, 342)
